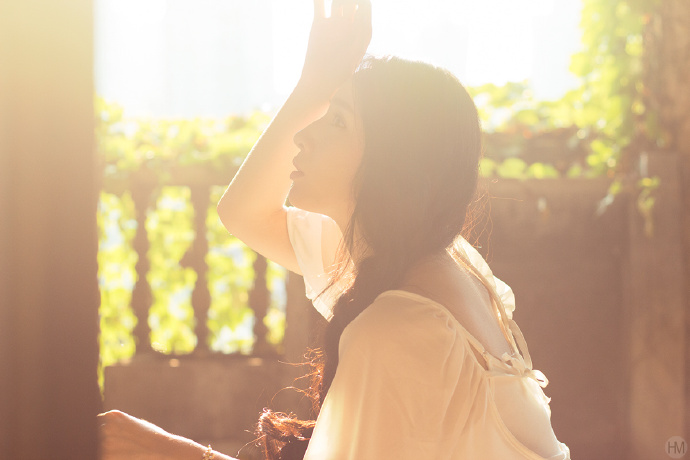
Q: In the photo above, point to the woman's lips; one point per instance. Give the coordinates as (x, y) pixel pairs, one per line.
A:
(296, 174)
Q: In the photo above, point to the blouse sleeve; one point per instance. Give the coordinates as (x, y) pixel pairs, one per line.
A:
(395, 393)
(315, 239)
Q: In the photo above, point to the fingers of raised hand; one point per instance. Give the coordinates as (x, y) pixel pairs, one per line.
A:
(124, 436)
(108, 421)
(319, 9)
(111, 426)
(364, 11)
(336, 43)
(343, 9)
(347, 9)
(363, 22)
(116, 421)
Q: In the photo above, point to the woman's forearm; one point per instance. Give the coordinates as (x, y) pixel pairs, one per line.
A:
(125, 437)
(196, 451)
(185, 449)
(261, 185)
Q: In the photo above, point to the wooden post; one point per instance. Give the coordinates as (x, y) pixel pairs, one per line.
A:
(667, 49)
(259, 299)
(49, 186)
(656, 318)
(301, 322)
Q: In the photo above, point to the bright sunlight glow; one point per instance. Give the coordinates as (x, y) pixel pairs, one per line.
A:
(215, 57)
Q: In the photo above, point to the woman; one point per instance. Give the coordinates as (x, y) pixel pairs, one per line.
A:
(421, 356)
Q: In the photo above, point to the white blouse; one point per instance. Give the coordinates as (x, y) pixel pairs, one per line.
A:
(413, 383)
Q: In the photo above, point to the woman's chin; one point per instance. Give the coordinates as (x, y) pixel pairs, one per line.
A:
(299, 198)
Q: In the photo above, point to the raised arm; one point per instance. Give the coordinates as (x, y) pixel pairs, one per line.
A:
(252, 207)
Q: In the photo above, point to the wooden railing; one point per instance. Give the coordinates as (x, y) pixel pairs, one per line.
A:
(200, 182)
(235, 387)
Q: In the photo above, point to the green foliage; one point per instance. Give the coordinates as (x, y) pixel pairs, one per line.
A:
(611, 65)
(529, 138)
(231, 276)
(170, 234)
(116, 278)
(607, 112)
(513, 108)
(645, 202)
(157, 146)
(516, 168)
(276, 277)
(611, 100)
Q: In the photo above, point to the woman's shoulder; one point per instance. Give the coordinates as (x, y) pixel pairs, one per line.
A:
(401, 306)
(401, 320)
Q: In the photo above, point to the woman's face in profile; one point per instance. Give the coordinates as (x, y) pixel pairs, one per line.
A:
(330, 151)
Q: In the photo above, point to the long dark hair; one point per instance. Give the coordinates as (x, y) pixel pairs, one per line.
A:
(414, 186)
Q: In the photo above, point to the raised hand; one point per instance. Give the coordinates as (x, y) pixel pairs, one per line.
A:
(336, 45)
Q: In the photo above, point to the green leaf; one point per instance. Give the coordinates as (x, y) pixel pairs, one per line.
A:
(512, 168)
(541, 171)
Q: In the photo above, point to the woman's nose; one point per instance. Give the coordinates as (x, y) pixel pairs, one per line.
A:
(301, 137)
(304, 136)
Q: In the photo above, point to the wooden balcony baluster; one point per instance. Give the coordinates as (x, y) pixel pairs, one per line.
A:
(141, 295)
(259, 299)
(196, 259)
